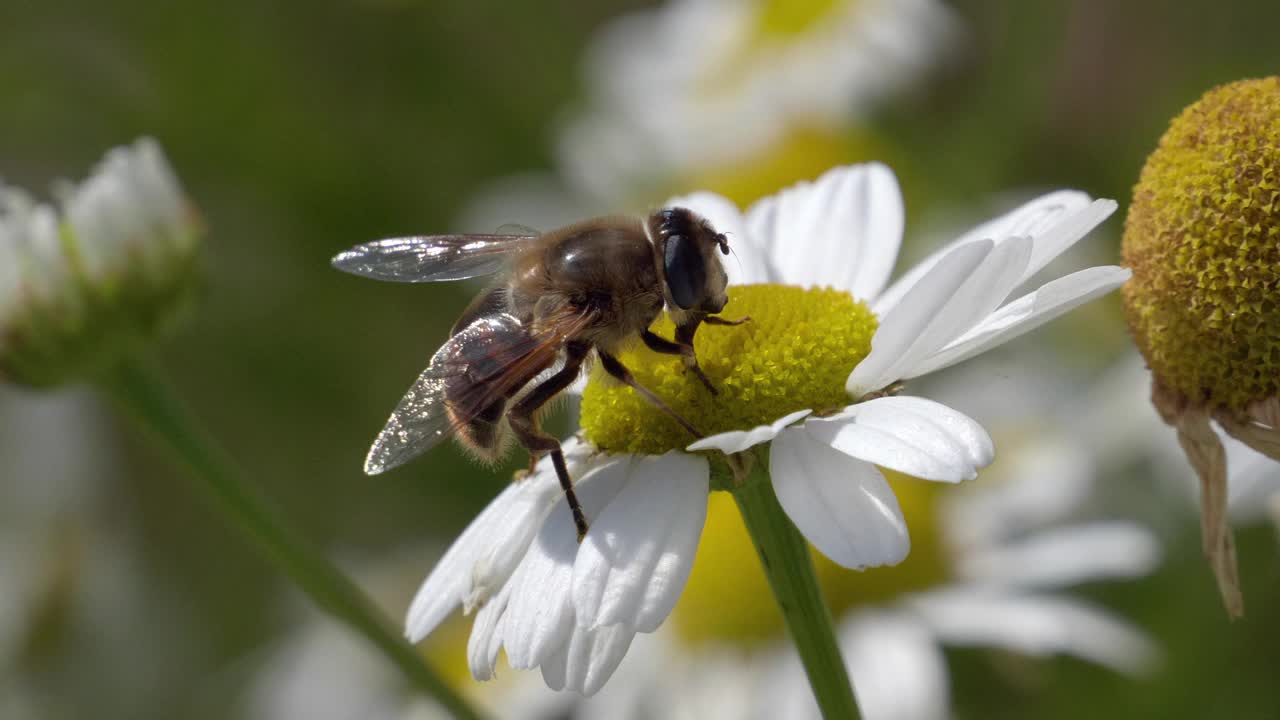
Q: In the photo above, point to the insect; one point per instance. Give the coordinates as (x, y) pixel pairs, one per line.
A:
(586, 288)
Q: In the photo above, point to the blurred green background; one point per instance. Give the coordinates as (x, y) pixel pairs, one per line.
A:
(303, 128)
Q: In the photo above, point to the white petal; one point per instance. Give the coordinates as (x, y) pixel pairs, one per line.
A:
(898, 670)
(902, 327)
(519, 520)
(736, 441)
(540, 611)
(486, 636)
(522, 518)
(1032, 219)
(450, 580)
(746, 263)
(843, 506)
(912, 435)
(950, 317)
(1036, 625)
(1065, 232)
(634, 563)
(1065, 556)
(1027, 313)
(588, 660)
(842, 230)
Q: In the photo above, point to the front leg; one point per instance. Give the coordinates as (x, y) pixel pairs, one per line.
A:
(615, 368)
(660, 344)
(717, 320)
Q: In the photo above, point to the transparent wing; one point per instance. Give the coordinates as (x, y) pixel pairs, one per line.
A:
(431, 258)
(517, 229)
(482, 363)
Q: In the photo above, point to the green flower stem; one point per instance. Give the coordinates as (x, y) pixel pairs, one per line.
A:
(154, 403)
(785, 557)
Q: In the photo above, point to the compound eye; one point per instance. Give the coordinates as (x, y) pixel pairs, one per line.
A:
(686, 271)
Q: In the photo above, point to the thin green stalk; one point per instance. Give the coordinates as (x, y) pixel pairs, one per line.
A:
(785, 557)
(155, 404)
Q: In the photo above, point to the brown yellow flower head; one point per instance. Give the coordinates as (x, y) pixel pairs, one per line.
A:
(1203, 241)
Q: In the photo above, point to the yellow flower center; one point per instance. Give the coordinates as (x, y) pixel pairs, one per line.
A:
(803, 153)
(727, 567)
(1203, 240)
(784, 19)
(794, 354)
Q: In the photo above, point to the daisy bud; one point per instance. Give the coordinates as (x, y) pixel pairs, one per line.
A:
(1203, 240)
(109, 272)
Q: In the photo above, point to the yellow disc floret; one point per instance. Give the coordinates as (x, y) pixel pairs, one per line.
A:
(794, 354)
(791, 18)
(1203, 240)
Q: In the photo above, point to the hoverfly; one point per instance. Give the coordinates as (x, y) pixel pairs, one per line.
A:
(588, 287)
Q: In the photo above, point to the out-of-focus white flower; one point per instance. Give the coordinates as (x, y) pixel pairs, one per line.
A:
(112, 270)
(700, 83)
(573, 610)
(73, 602)
(322, 671)
(742, 97)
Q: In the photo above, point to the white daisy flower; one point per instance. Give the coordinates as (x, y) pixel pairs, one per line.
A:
(698, 83)
(115, 266)
(1008, 548)
(813, 375)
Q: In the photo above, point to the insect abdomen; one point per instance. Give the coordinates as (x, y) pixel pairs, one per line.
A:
(484, 433)
(476, 399)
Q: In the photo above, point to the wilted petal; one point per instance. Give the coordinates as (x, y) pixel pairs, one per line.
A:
(736, 441)
(850, 218)
(912, 435)
(843, 506)
(901, 327)
(634, 563)
(898, 670)
(1035, 625)
(1027, 313)
(1253, 480)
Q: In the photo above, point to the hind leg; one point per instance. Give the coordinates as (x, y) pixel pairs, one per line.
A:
(526, 429)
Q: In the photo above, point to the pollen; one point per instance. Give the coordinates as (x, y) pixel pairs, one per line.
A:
(794, 353)
(1203, 240)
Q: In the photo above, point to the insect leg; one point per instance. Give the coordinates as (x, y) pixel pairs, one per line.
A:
(526, 429)
(717, 320)
(615, 368)
(657, 343)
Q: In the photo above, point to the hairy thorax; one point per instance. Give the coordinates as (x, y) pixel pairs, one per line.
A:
(603, 270)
